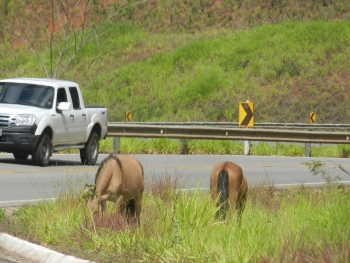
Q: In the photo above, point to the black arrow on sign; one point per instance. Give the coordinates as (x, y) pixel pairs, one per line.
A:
(249, 115)
(312, 117)
(128, 115)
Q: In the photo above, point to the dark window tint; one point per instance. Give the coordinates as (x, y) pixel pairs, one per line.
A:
(75, 97)
(26, 94)
(61, 95)
(1, 85)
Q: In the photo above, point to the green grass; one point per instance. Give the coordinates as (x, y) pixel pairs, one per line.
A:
(277, 67)
(292, 225)
(174, 146)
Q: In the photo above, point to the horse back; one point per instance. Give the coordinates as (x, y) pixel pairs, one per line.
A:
(234, 174)
(237, 181)
(236, 177)
(133, 174)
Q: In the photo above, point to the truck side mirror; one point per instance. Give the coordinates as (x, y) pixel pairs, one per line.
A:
(63, 106)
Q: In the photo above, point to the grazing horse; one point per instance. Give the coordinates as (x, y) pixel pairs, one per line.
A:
(119, 179)
(227, 182)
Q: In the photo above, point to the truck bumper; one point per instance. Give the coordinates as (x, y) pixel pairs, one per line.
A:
(12, 140)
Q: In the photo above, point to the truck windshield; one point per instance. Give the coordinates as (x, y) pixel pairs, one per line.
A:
(26, 94)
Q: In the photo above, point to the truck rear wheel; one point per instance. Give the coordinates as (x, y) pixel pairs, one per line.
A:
(42, 153)
(89, 154)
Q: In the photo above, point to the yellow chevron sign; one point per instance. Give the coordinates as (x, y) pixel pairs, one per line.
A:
(128, 116)
(246, 114)
(312, 117)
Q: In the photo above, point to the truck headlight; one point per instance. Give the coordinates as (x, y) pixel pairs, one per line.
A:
(25, 119)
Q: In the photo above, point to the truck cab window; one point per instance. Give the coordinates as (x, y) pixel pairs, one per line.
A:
(75, 98)
(45, 98)
(61, 96)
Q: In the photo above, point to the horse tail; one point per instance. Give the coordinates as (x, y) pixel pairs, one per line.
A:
(223, 192)
(130, 208)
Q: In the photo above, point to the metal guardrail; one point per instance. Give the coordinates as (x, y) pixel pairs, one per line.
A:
(215, 132)
(264, 125)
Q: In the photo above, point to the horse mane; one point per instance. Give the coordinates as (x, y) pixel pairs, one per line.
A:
(104, 162)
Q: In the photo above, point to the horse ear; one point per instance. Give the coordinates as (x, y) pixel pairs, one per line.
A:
(86, 189)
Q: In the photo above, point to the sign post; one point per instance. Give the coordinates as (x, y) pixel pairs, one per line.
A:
(116, 140)
(312, 120)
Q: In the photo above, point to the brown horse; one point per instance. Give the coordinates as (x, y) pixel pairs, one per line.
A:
(228, 182)
(119, 179)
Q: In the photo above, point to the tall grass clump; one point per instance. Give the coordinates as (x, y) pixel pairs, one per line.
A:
(2, 214)
(214, 147)
(300, 221)
(59, 221)
(150, 146)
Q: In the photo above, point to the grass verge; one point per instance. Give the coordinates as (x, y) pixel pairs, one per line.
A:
(174, 146)
(291, 225)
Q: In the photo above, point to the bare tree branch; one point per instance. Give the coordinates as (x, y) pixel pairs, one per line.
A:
(55, 31)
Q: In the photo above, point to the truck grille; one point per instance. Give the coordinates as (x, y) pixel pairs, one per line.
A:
(7, 120)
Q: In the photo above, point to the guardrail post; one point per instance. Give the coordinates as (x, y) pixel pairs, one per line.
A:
(307, 149)
(246, 147)
(184, 146)
(116, 143)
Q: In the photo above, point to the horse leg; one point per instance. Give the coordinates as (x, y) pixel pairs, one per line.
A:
(233, 199)
(93, 206)
(234, 186)
(103, 206)
(121, 206)
(138, 210)
(242, 197)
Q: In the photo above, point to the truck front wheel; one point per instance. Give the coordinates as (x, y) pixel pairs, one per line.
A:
(89, 154)
(42, 153)
(20, 155)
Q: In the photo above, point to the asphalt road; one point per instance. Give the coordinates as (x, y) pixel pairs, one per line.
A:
(21, 182)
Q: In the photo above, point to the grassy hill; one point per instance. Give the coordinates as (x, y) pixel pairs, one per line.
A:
(196, 60)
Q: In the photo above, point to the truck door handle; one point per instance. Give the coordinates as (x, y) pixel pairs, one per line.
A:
(71, 116)
(84, 115)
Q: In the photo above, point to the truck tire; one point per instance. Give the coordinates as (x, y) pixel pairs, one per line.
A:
(42, 153)
(89, 154)
(20, 155)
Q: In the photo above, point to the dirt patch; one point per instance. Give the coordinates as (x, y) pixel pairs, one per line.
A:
(10, 210)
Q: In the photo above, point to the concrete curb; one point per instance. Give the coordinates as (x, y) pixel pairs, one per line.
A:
(33, 252)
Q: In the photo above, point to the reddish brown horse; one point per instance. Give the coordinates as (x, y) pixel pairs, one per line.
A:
(119, 179)
(227, 182)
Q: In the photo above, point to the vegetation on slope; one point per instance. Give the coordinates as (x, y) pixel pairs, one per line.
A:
(195, 61)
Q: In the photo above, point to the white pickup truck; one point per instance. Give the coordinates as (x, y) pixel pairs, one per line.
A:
(41, 116)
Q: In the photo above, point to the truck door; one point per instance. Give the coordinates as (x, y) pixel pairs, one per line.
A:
(64, 124)
(80, 117)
